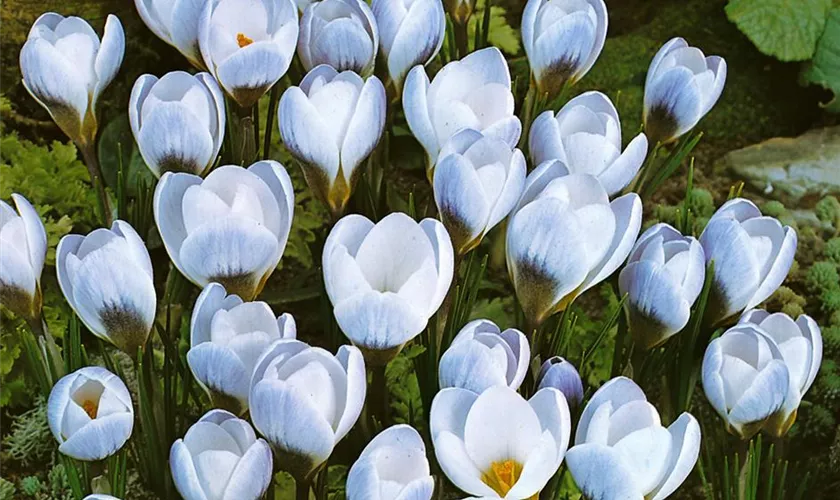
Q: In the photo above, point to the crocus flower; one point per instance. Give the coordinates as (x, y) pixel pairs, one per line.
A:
(752, 255)
(562, 40)
(230, 228)
(340, 33)
(65, 68)
(304, 400)
(248, 44)
(107, 279)
(497, 444)
(682, 85)
(586, 136)
(662, 279)
(386, 280)
(566, 237)
(392, 466)
(90, 414)
(622, 450)
(331, 124)
(227, 337)
(100, 496)
(176, 23)
(482, 355)
(558, 373)
(24, 242)
(220, 457)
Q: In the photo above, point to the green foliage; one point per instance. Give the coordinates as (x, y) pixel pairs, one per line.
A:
(401, 380)
(14, 386)
(832, 250)
(822, 276)
(7, 489)
(31, 486)
(824, 68)
(310, 217)
(502, 35)
(788, 301)
(29, 441)
(828, 211)
(701, 203)
(499, 310)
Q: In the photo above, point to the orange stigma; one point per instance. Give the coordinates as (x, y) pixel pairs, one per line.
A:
(243, 40)
(90, 408)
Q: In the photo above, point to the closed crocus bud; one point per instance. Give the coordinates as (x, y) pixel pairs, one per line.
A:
(460, 10)
(340, 33)
(662, 279)
(565, 236)
(752, 255)
(90, 414)
(392, 466)
(586, 136)
(230, 228)
(471, 93)
(745, 378)
(227, 336)
(497, 444)
(24, 243)
(386, 280)
(304, 400)
(220, 457)
(331, 123)
(558, 373)
(65, 67)
(248, 45)
(682, 85)
(562, 40)
(411, 32)
(176, 23)
(178, 121)
(800, 343)
(107, 279)
(623, 451)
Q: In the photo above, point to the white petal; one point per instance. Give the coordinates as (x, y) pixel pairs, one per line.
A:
(171, 139)
(618, 391)
(252, 70)
(416, 108)
(354, 364)
(365, 127)
(36, 236)
(220, 370)
(252, 474)
(444, 260)
(184, 474)
(449, 411)
(302, 130)
(622, 171)
(778, 269)
(462, 203)
(110, 54)
(685, 433)
(424, 22)
(99, 439)
(600, 472)
(168, 198)
(628, 222)
(379, 321)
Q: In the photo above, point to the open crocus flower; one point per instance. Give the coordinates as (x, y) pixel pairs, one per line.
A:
(801, 345)
(65, 67)
(566, 237)
(90, 414)
(745, 378)
(563, 39)
(248, 44)
(331, 123)
(340, 33)
(497, 444)
(178, 121)
(752, 255)
(392, 466)
(230, 228)
(662, 279)
(482, 355)
(386, 280)
(682, 85)
(304, 400)
(176, 23)
(221, 458)
(107, 279)
(24, 242)
(558, 373)
(623, 451)
(477, 182)
(586, 136)
(227, 337)
(471, 93)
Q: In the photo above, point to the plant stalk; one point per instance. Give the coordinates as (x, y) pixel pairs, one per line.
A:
(92, 163)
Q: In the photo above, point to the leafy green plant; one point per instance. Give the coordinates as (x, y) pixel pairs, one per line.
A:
(29, 441)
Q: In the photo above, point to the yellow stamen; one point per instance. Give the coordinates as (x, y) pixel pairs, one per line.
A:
(502, 476)
(90, 408)
(243, 40)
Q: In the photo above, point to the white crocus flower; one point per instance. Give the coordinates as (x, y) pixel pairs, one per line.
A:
(497, 444)
(340, 33)
(176, 23)
(471, 93)
(230, 228)
(563, 39)
(386, 280)
(331, 123)
(248, 44)
(100, 496)
(682, 85)
(752, 255)
(566, 237)
(107, 279)
(90, 414)
(393, 466)
(801, 345)
(623, 451)
(477, 182)
(221, 458)
(411, 32)
(227, 336)
(558, 373)
(586, 136)
(65, 67)
(24, 242)
(745, 378)
(304, 401)
(482, 355)
(663, 277)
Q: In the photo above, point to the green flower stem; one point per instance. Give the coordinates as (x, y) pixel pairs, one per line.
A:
(92, 163)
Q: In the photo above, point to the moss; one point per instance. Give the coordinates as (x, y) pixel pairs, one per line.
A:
(832, 250)
(828, 211)
(788, 301)
(831, 340)
(822, 276)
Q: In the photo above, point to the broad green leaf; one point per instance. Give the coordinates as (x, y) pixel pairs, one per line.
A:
(785, 29)
(824, 69)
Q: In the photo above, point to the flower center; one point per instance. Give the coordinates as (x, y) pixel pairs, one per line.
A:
(501, 476)
(243, 40)
(90, 407)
